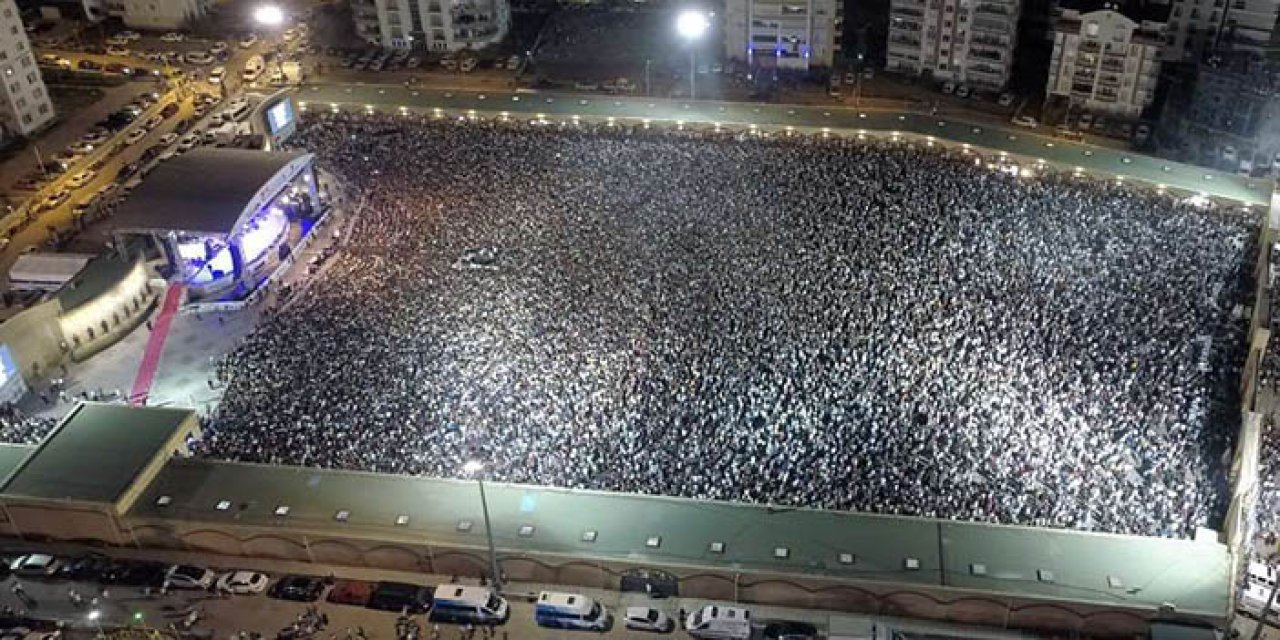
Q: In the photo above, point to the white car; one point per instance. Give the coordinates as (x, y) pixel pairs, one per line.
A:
(1025, 121)
(129, 35)
(289, 35)
(188, 142)
(54, 200)
(248, 41)
(218, 47)
(649, 619)
(136, 135)
(117, 51)
(185, 576)
(153, 122)
(168, 139)
(81, 179)
(243, 582)
(117, 41)
(95, 137)
(35, 564)
(172, 36)
(1005, 99)
(198, 58)
(216, 74)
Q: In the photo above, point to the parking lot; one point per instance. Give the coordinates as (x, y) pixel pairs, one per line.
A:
(219, 596)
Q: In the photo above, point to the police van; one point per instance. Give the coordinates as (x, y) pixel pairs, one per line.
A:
(570, 611)
(714, 622)
(477, 605)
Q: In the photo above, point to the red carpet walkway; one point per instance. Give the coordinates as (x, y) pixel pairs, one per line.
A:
(155, 345)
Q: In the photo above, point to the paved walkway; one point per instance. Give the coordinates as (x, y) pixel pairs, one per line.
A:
(155, 345)
(1039, 143)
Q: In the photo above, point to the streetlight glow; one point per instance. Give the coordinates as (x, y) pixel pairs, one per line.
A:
(692, 24)
(269, 15)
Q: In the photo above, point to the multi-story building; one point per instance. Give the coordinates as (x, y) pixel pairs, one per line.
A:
(1232, 112)
(434, 25)
(1198, 27)
(793, 34)
(1106, 55)
(24, 101)
(157, 14)
(964, 41)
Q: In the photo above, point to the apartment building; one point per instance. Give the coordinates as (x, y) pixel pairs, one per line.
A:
(1200, 27)
(793, 34)
(24, 101)
(969, 42)
(433, 25)
(1106, 55)
(157, 15)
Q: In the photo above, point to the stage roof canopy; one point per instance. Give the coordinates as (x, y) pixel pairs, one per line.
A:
(207, 190)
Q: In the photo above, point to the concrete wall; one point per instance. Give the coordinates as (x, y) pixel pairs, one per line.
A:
(35, 338)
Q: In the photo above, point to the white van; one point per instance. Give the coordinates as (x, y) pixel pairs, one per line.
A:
(570, 611)
(476, 605)
(236, 111)
(253, 68)
(712, 621)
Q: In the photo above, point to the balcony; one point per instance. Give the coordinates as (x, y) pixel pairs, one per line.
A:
(994, 55)
(900, 24)
(1090, 46)
(1109, 80)
(989, 40)
(903, 41)
(992, 10)
(1111, 65)
(991, 26)
(913, 12)
(1085, 90)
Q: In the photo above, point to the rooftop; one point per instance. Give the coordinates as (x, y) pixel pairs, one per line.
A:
(94, 454)
(1088, 567)
(203, 191)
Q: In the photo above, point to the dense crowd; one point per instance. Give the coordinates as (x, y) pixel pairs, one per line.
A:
(853, 325)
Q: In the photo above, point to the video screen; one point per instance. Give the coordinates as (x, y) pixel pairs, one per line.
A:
(280, 116)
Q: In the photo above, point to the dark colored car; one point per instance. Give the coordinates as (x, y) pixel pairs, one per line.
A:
(169, 110)
(88, 568)
(790, 630)
(297, 588)
(88, 65)
(400, 596)
(135, 573)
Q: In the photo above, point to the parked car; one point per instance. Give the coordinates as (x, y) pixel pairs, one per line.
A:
(243, 582)
(649, 619)
(169, 110)
(1086, 121)
(248, 41)
(513, 62)
(188, 142)
(790, 630)
(218, 48)
(172, 36)
(714, 622)
(81, 179)
(37, 565)
(297, 588)
(1025, 121)
(948, 87)
(1142, 133)
(134, 573)
(86, 568)
(53, 201)
(168, 138)
(136, 135)
(401, 596)
(129, 35)
(962, 91)
(1067, 133)
(1229, 153)
(117, 51)
(88, 65)
(1005, 99)
(199, 58)
(186, 576)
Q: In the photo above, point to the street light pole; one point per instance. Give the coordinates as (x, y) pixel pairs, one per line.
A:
(488, 532)
(691, 25)
(475, 467)
(693, 73)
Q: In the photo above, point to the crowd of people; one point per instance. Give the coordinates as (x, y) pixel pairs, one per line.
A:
(871, 326)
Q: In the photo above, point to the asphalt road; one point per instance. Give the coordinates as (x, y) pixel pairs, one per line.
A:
(1030, 143)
